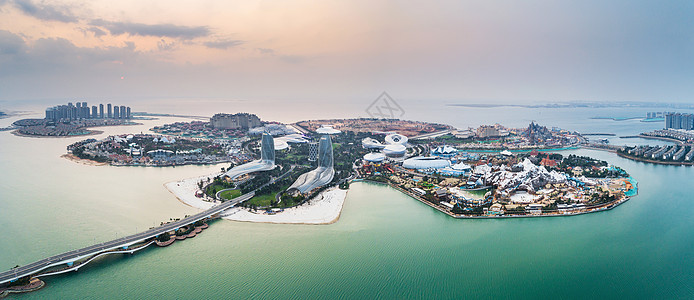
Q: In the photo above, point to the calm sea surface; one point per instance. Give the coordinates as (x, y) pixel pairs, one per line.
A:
(385, 245)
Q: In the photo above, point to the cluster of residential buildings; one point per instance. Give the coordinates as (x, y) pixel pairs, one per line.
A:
(686, 136)
(679, 121)
(666, 153)
(154, 150)
(81, 110)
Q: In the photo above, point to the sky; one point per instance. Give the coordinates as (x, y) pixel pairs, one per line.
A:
(501, 51)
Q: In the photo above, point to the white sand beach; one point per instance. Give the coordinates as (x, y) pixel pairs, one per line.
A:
(185, 190)
(324, 209)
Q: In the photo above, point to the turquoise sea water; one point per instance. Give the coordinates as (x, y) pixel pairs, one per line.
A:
(385, 245)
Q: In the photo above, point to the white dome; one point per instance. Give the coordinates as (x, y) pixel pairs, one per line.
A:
(395, 150)
(374, 157)
(396, 139)
(422, 162)
(295, 138)
(327, 130)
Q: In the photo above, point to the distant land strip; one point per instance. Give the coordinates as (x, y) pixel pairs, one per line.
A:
(146, 114)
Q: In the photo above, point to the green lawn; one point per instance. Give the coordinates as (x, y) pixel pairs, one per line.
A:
(214, 188)
(262, 200)
(230, 194)
(267, 199)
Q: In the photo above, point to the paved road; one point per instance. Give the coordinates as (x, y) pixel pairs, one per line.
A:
(35, 267)
(429, 135)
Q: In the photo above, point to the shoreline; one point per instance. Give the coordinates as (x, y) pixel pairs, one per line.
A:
(587, 210)
(655, 162)
(483, 150)
(86, 162)
(184, 190)
(324, 209)
(91, 132)
(643, 136)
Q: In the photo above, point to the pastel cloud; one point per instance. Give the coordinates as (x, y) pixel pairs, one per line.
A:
(155, 30)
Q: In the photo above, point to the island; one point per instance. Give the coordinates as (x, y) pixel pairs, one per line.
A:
(295, 169)
(73, 120)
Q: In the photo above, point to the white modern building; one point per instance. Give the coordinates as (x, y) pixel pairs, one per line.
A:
(396, 139)
(374, 157)
(371, 143)
(426, 162)
(326, 129)
(265, 163)
(323, 174)
(395, 150)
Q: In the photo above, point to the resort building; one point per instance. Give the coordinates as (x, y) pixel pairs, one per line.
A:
(374, 157)
(396, 139)
(424, 163)
(327, 130)
(395, 151)
(323, 174)
(371, 143)
(265, 163)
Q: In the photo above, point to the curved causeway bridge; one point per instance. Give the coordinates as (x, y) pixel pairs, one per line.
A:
(120, 245)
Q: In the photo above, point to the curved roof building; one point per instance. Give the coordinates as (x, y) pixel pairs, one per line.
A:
(321, 175)
(374, 157)
(265, 163)
(371, 143)
(395, 150)
(395, 138)
(294, 138)
(422, 162)
(280, 144)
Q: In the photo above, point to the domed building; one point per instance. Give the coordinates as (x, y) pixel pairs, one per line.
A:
(325, 129)
(374, 157)
(395, 150)
(426, 162)
(396, 139)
